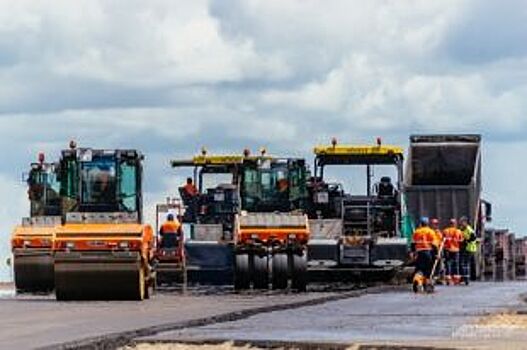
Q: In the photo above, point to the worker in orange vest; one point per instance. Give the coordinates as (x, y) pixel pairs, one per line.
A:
(438, 239)
(453, 239)
(170, 232)
(189, 188)
(422, 245)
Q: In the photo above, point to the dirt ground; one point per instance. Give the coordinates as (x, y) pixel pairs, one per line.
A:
(505, 320)
(224, 346)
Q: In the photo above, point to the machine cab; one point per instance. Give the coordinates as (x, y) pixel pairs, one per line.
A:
(374, 212)
(43, 190)
(274, 184)
(102, 181)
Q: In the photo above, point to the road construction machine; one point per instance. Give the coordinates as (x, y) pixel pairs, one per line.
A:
(31, 242)
(443, 181)
(356, 234)
(103, 250)
(169, 253)
(251, 227)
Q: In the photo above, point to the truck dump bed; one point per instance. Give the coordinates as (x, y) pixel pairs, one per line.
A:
(443, 177)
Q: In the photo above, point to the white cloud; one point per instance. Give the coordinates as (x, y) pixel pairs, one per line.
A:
(168, 77)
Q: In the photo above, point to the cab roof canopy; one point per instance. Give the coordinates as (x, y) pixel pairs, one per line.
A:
(85, 154)
(358, 154)
(203, 160)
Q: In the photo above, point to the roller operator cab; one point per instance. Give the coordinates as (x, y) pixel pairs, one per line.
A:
(359, 232)
(247, 209)
(31, 242)
(103, 251)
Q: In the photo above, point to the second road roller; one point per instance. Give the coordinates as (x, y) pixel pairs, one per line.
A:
(103, 250)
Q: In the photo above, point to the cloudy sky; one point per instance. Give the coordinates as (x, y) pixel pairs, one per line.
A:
(168, 77)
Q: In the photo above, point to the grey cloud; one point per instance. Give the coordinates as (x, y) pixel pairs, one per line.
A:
(171, 77)
(489, 31)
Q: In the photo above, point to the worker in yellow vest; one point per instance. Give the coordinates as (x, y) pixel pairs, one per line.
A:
(468, 253)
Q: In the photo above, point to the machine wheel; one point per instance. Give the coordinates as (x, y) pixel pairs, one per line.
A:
(260, 272)
(416, 287)
(141, 291)
(299, 272)
(280, 271)
(242, 275)
(429, 288)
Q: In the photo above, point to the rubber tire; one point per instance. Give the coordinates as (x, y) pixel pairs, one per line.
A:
(280, 271)
(242, 272)
(260, 272)
(298, 272)
(141, 284)
(429, 288)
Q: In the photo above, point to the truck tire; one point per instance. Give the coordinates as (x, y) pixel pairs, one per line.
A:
(242, 274)
(260, 272)
(299, 272)
(280, 271)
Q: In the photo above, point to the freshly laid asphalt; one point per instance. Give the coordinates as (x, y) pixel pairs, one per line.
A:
(378, 315)
(449, 316)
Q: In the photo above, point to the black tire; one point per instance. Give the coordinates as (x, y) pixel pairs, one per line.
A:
(299, 272)
(260, 272)
(242, 274)
(139, 293)
(429, 288)
(280, 271)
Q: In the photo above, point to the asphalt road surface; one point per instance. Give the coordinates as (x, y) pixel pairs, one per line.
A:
(387, 314)
(28, 321)
(452, 316)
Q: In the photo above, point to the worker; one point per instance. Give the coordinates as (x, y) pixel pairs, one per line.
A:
(422, 241)
(190, 189)
(470, 247)
(453, 240)
(170, 232)
(282, 185)
(385, 188)
(438, 239)
(103, 191)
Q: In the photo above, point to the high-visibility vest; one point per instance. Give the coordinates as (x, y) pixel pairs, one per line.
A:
(471, 245)
(190, 189)
(438, 238)
(170, 227)
(423, 238)
(453, 238)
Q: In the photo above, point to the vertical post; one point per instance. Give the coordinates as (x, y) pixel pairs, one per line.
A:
(368, 180)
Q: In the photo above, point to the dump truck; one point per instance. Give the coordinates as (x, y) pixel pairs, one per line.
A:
(103, 250)
(359, 233)
(249, 230)
(31, 242)
(443, 181)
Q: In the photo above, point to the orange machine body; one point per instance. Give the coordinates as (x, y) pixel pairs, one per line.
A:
(272, 235)
(33, 237)
(105, 237)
